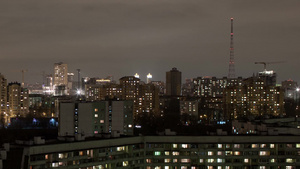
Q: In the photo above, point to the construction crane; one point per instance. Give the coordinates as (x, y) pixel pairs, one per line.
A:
(268, 63)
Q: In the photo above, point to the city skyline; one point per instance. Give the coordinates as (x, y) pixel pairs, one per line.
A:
(123, 38)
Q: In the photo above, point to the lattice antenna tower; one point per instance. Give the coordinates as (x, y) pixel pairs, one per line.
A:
(231, 72)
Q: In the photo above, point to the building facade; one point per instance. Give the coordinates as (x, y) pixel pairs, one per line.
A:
(253, 98)
(169, 152)
(91, 118)
(3, 100)
(18, 100)
(60, 78)
(173, 82)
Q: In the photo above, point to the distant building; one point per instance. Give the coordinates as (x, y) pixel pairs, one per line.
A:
(208, 86)
(3, 99)
(60, 78)
(148, 100)
(70, 87)
(189, 110)
(48, 86)
(253, 98)
(269, 77)
(91, 118)
(130, 86)
(149, 78)
(41, 105)
(188, 88)
(290, 89)
(18, 99)
(95, 92)
(145, 97)
(161, 87)
(173, 82)
(211, 91)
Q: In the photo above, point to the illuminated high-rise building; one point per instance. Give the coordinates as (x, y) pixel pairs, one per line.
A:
(149, 77)
(18, 99)
(173, 82)
(60, 78)
(130, 86)
(60, 74)
(137, 75)
(3, 98)
(253, 98)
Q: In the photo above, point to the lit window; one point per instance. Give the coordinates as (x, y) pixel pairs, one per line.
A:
(175, 153)
(54, 164)
(175, 160)
(174, 145)
(272, 160)
(254, 145)
(228, 153)
(185, 160)
(167, 153)
(101, 121)
(211, 160)
(148, 160)
(157, 153)
(272, 145)
(220, 146)
(167, 167)
(246, 160)
(46, 156)
(220, 153)
(96, 110)
(167, 160)
(220, 160)
(201, 160)
(236, 146)
(96, 115)
(121, 148)
(184, 146)
(262, 167)
(237, 153)
(289, 160)
(210, 153)
(297, 145)
(263, 146)
(183, 167)
(264, 153)
(125, 163)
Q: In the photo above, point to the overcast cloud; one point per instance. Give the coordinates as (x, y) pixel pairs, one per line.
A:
(122, 37)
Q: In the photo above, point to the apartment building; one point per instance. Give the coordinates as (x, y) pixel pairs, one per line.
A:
(90, 118)
(168, 152)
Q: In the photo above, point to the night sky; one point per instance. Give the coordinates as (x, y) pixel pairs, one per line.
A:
(122, 37)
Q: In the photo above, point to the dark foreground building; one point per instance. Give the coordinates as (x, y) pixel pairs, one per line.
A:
(163, 152)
